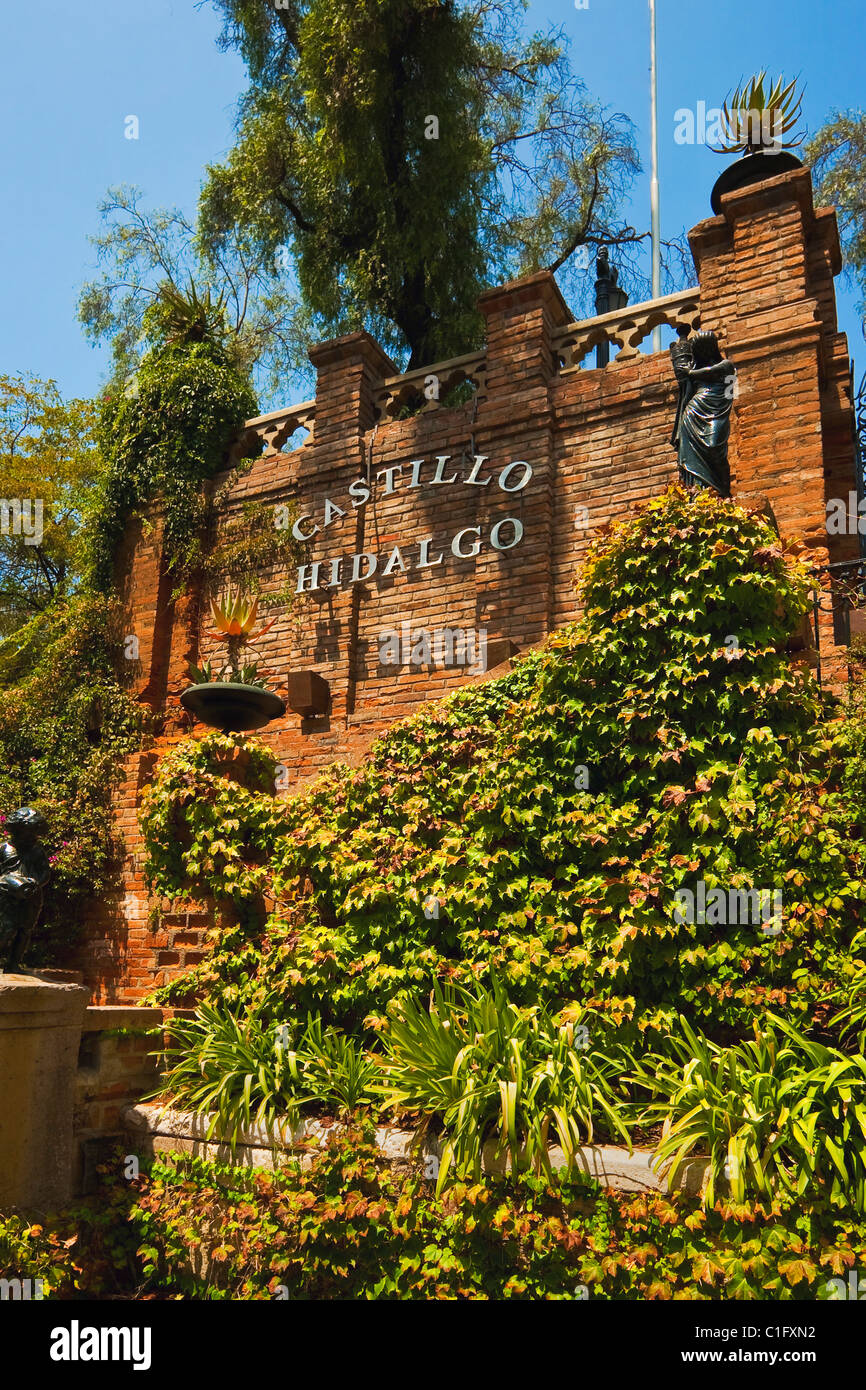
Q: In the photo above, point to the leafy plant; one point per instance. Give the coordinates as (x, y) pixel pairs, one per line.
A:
(465, 841)
(777, 1113)
(350, 1226)
(167, 433)
(245, 1072)
(336, 1071)
(245, 675)
(851, 1018)
(758, 114)
(66, 726)
(494, 1071)
(234, 617)
(233, 1070)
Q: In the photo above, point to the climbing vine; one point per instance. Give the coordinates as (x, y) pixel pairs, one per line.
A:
(66, 725)
(543, 824)
(166, 433)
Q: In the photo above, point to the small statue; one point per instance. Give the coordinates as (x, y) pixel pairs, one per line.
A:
(24, 872)
(703, 420)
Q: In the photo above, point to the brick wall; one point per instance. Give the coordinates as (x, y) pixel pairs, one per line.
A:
(595, 439)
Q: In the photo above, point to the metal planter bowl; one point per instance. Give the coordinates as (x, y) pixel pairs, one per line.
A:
(751, 168)
(231, 707)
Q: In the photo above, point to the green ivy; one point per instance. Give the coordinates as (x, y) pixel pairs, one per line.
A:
(699, 766)
(351, 1227)
(164, 439)
(66, 725)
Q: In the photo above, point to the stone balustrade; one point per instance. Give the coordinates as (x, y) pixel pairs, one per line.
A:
(429, 386)
(627, 328)
(268, 433)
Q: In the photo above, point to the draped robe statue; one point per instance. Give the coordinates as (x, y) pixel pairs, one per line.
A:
(703, 419)
(24, 872)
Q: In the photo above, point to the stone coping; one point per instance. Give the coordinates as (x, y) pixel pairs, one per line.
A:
(26, 1001)
(100, 1017)
(166, 1130)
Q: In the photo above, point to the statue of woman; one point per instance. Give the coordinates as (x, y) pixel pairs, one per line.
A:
(703, 420)
(24, 872)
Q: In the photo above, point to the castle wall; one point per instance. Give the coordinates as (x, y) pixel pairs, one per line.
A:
(531, 469)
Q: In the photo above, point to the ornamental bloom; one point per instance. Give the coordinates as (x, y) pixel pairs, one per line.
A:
(235, 616)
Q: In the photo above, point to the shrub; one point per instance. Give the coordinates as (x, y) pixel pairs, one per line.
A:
(169, 435)
(65, 727)
(493, 1071)
(778, 1113)
(244, 1072)
(469, 839)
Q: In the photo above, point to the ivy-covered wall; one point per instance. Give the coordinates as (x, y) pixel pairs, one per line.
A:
(588, 447)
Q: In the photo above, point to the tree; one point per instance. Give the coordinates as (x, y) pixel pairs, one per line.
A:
(144, 254)
(409, 152)
(49, 475)
(837, 154)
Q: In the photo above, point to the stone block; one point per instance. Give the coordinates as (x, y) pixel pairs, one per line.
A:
(40, 1031)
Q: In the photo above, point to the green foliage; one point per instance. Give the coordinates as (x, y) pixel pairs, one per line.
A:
(244, 1072)
(247, 544)
(776, 1113)
(167, 433)
(210, 820)
(392, 225)
(837, 154)
(142, 251)
(48, 460)
(517, 1077)
(349, 1227)
(699, 767)
(65, 726)
(87, 1251)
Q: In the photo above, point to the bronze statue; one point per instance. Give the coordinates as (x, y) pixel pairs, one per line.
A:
(24, 872)
(703, 420)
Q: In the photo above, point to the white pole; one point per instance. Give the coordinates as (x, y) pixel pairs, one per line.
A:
(654, 180)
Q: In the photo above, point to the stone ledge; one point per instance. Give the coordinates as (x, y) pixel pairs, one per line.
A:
(100, 1017)
(165, 1130)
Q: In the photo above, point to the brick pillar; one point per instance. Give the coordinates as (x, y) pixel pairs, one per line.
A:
(165, 629)
(766, 269)
(514, 596)
(349, 372)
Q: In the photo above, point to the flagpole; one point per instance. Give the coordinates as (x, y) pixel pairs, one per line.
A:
(654, 180)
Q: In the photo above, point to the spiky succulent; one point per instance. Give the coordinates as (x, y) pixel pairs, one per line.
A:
(234, 615)
(758, 114)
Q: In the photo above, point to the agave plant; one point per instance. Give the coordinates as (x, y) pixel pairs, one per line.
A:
(191, 316)
(234, 618)
(759, 114)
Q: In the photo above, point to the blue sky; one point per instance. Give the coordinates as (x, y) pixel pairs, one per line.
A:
(74, 72)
